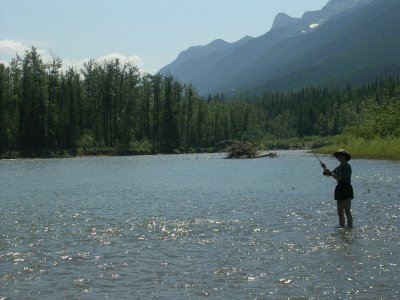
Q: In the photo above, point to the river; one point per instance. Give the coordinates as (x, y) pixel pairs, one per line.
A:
(196, 226)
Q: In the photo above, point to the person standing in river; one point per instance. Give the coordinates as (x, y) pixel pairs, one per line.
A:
(344, 190)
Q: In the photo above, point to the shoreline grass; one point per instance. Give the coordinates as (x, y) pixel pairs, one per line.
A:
(377, 148)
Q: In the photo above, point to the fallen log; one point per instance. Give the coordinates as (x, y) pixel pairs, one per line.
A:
(271, 155)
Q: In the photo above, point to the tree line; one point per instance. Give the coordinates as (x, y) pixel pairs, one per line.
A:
(325, 111)
(106, 106)
(109, 107)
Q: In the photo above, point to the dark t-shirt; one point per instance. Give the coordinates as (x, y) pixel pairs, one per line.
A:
(344, 172)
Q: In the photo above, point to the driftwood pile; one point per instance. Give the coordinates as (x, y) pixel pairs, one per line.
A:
(243, 149)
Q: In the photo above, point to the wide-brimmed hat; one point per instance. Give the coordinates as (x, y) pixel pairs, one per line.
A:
(342, 152)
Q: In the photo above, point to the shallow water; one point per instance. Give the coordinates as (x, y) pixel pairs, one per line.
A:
(195, 226)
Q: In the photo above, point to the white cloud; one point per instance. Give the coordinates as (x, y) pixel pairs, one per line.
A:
(123, 59)
(9, 48)
(74, 63)
(134, 59)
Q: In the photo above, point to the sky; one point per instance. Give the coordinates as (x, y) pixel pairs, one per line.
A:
(147, 33)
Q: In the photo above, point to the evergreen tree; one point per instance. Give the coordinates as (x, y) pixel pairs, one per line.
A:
(110, 106)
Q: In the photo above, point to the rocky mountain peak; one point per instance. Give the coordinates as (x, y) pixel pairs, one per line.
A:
(283, 20)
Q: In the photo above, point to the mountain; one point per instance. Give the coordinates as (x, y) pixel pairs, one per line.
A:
(332, 8)
(346, 40)
(198, 61)
(283, 20)
(351, 48)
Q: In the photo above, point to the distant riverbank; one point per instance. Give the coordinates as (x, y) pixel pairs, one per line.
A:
(109, 151)
(377, 148)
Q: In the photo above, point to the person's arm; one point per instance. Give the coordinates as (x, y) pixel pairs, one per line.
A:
(330, 173)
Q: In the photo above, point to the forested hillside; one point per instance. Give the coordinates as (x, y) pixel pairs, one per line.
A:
(110, 108)
(323, 111)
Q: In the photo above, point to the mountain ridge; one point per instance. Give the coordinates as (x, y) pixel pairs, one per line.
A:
(283, 20)
(348, 56)
(190, 63)
(255, 61)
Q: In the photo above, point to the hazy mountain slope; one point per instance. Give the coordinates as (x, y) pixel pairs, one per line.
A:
(283, 20)
(225, 69)
(248, 73)
(197, 64)
(292, 46)
(350, 48)
(198, 61)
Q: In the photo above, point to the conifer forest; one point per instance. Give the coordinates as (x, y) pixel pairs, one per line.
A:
(111, 108)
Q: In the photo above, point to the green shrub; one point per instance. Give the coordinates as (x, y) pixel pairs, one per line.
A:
(140, 147)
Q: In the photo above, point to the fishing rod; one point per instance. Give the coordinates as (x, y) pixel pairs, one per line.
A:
(313, 151)
(326, 171)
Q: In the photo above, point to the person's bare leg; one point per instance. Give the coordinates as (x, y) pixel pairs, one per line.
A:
(341, 212)
(347, 210)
